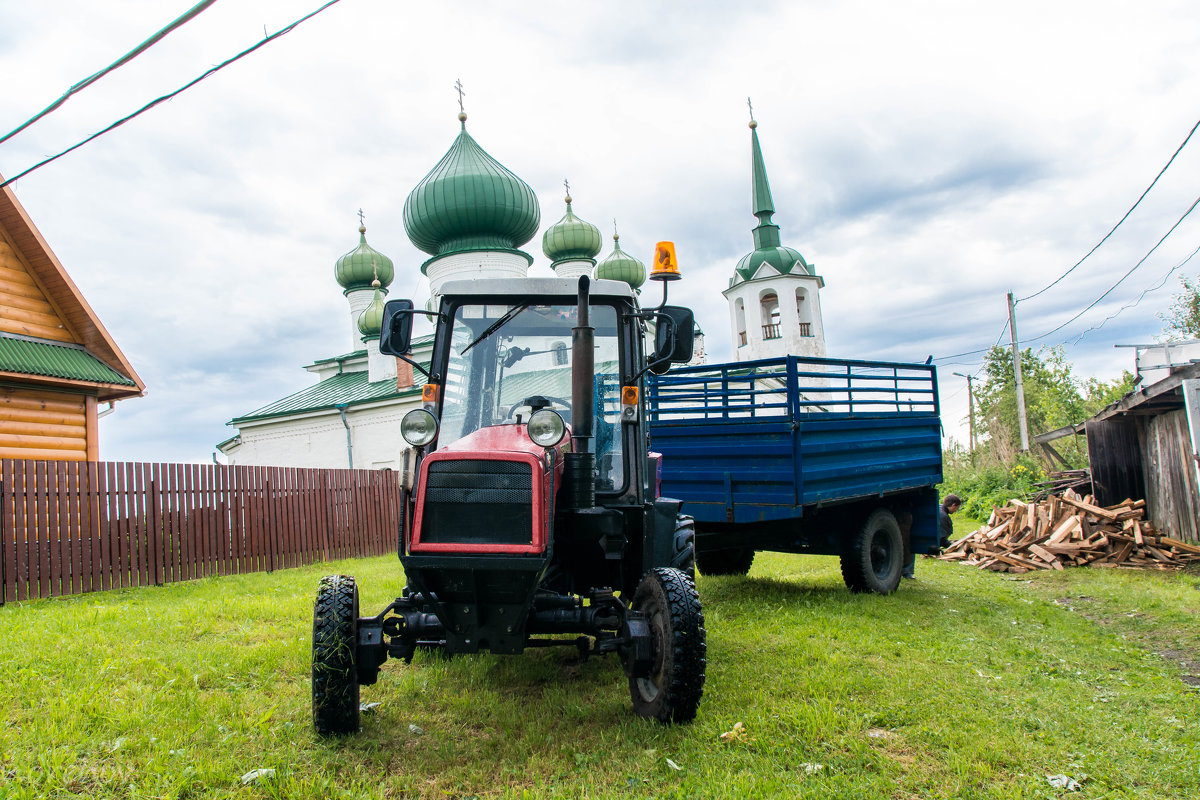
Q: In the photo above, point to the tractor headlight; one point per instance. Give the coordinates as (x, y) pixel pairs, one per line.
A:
(546, 427)
(418, 427)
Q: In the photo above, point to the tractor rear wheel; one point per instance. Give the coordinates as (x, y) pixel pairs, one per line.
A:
(725, 562)
(334, 668)
(875, 557)
(670, 689)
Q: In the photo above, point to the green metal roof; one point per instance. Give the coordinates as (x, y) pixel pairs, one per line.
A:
(620, 266)
(349, 388)
(571, 239)
(768, 247)
(469, 201)
(356, 269)
(56, 361)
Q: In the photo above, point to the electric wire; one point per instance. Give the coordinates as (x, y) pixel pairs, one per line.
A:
(165, 97)
(1121, 220)
(120, 62)
(1120, 280)
(1145, 292)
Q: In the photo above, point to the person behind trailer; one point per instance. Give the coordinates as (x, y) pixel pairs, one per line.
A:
(945, 530)
(950, 505)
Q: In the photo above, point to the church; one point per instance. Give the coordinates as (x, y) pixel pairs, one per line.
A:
(472, 216)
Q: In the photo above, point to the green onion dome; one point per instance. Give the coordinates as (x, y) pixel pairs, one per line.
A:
(571, 239)
(370, 321)
(470, 201)
(785, 260)
(357, 269)
(620, 266)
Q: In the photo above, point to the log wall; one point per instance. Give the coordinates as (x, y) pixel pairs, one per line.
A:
(46, 424)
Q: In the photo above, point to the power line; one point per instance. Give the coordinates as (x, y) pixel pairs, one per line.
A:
(1145, 292)
(165, 97)
(125, 59)
(1122, 219)
(1141, 261)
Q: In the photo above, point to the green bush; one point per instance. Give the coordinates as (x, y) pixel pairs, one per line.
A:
(986, 486)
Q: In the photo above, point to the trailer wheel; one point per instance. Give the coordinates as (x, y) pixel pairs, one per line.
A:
(876, 555)
(334, 671)
(684, 559)
(725, 562)
(669, 690)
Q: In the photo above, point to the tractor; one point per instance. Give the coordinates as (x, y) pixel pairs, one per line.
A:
(534, 517)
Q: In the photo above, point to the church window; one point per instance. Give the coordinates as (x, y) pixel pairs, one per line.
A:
(739, 319)
(803, 312)
(770, 316)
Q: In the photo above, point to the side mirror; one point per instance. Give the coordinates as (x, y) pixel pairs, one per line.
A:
(395, 338)
(674, 338)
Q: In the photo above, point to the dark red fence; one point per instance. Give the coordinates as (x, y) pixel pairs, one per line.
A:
(69, 527)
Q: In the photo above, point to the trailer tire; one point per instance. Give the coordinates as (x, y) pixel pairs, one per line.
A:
(684, 558)
(875, 557)
(671, 688)
(334, 668)
(725, 562)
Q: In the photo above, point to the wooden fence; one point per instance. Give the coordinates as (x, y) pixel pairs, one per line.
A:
(69, 527)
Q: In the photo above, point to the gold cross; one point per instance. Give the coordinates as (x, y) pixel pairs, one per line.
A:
(360, 217)
(567, 186)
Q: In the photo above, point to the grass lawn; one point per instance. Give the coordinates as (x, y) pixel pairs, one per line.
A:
(962, 684)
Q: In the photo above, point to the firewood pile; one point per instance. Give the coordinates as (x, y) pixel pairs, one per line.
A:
(1058, 482)
(1070, 531)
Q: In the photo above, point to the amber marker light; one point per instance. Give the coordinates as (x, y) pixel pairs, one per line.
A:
(629, 402)
(429, 393)
(666, 267)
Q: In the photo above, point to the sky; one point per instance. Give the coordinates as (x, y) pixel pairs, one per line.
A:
(926, 157)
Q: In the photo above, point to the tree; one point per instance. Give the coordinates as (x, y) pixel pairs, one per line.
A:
(1054, 398)
(1183, 317)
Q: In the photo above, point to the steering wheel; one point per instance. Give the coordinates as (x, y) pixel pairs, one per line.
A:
(539, 401)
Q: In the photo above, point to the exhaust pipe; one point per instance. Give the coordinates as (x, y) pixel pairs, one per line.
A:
(579, 466)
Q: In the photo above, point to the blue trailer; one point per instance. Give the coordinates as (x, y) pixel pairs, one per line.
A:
(803, 455)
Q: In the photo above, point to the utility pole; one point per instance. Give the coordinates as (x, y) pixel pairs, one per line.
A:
(970, 410)
(1016, 355)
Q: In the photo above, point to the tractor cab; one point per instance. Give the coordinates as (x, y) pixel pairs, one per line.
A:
(533, 518)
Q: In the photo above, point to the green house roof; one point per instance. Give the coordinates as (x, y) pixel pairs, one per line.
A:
(56, 361)
(349, 388)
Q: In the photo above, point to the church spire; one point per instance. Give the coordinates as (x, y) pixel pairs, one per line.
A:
(766, 234)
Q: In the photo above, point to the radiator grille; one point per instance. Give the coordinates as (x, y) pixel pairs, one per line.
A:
(478, 502)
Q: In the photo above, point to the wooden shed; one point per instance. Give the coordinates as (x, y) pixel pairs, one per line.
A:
(57, 362)
(1145, 445)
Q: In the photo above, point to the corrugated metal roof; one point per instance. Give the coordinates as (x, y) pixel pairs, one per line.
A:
(349, 388)
(56, 361)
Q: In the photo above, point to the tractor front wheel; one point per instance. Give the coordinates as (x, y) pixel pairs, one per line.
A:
(669, 689)
(334, 668)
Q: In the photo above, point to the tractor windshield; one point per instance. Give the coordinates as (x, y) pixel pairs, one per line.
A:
(507, 359)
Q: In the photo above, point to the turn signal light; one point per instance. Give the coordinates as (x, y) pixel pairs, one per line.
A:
(430, 393)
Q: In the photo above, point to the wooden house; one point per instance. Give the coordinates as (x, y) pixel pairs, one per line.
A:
(57, 362)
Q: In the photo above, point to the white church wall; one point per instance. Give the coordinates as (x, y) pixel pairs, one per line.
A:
(319, 440)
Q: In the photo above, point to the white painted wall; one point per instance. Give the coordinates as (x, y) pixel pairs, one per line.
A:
(319, 439)
(784, 287)
(479, 264)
